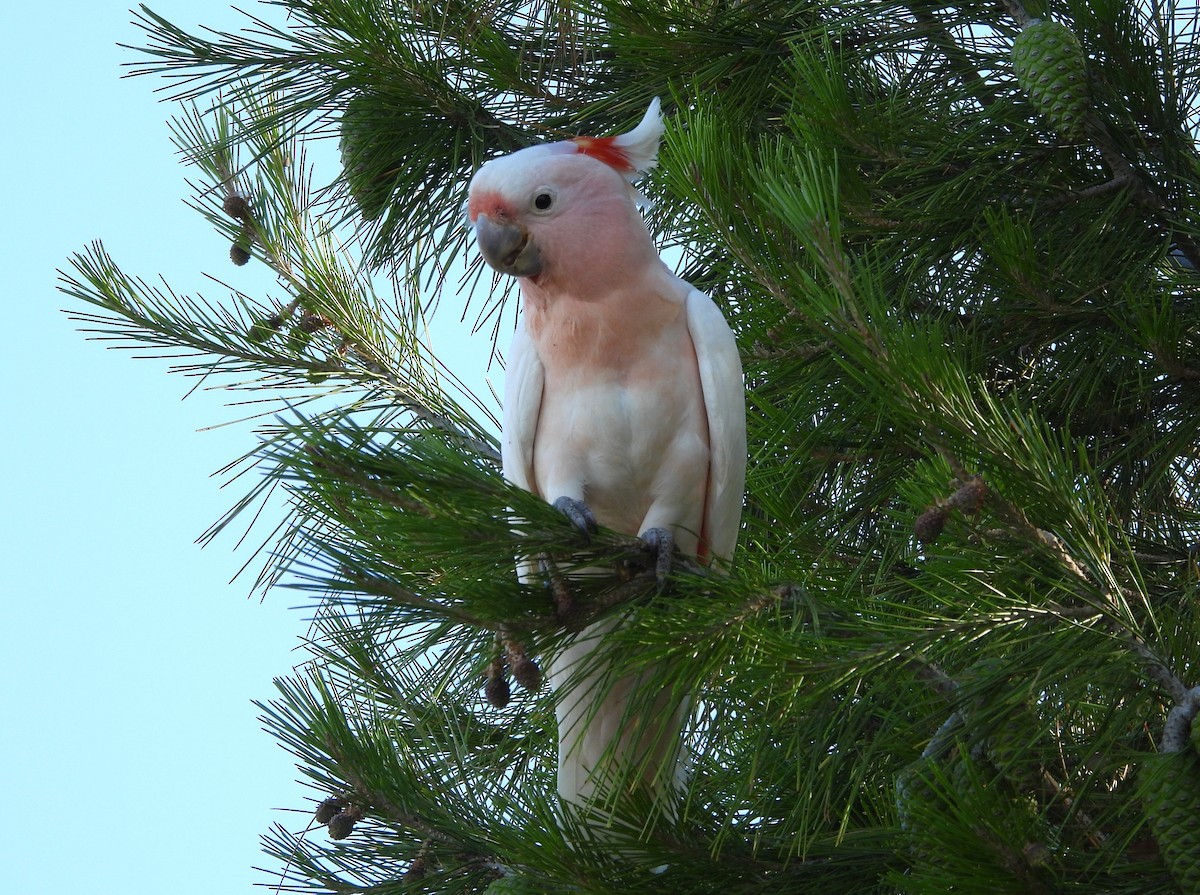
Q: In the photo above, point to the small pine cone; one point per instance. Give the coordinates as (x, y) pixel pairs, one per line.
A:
(299, 337)
(418, 868)
(496, 689)
(264, 328)
(930, 524)
(329, 808)
(239, 254)
(498, 692)
(524, 669)
(1050, 67)
(310, 323)
(236, 207)
(970, 497)
(526, 672)
(341, 825)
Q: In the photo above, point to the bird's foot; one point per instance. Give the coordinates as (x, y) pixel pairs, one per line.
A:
(661, 543)
(579, 513)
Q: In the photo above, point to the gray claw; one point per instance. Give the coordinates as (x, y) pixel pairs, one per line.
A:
(662, 543)
(579, 513)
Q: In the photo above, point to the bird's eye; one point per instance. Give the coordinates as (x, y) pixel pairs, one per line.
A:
(543, 200)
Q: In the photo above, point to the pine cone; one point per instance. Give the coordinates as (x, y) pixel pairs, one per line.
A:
(496, 689)
(524, 669)
(913, 791)
(527, 673)
(311, 323)
(930, 524)
(1049, 66)
(298, 338)
(328, 809)
(417, 869)
(264, 328)
(969, 498)
(236, 207)
(341, 824)
(316, 377)
(1169, 784)
(239, 254)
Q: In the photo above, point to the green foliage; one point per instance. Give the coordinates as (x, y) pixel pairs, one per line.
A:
(965, 595)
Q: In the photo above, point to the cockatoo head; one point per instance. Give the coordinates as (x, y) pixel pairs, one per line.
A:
(545, 212)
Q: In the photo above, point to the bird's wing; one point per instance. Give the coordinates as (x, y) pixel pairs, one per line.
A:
(725, 404)
(523, 379)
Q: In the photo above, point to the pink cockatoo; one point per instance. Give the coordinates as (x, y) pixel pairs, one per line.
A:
(623, 406)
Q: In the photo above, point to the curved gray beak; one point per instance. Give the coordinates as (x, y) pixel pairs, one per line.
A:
(507, 247)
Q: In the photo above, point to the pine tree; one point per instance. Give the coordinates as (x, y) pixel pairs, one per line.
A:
(957, 649)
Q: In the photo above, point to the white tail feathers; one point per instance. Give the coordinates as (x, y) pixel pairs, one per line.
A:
(618, 733)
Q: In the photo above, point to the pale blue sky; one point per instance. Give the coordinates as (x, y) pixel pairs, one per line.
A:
(131, 759)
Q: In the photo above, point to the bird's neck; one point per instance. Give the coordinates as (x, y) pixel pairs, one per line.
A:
(590, 328)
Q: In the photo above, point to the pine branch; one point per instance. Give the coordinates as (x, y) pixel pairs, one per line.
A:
(1112, 602)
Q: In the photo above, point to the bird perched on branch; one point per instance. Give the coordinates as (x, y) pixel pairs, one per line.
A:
(623, 406)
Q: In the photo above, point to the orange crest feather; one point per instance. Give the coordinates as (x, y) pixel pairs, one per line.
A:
(605, 149)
